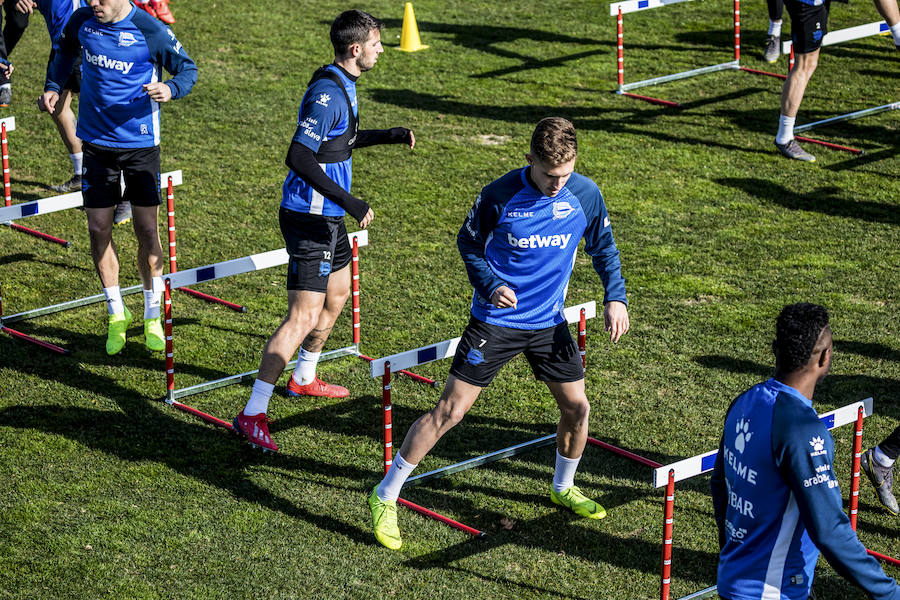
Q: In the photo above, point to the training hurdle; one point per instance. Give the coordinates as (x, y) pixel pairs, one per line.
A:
(404, 360)
(618, 9)
(9, 124)
(667, 475)
(837, 37)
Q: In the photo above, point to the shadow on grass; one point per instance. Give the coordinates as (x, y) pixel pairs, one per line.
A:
(28, 257)
(826, 200)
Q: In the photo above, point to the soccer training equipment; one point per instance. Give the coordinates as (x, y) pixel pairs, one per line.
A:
(316, 388)
(256, 430)
(581, 505)
(118, 324)
(384, 521)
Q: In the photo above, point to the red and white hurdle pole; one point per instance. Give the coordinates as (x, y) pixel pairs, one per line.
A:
(27, 338)
(173, 262)
(582, 336)
(737, 30)
(791, 59)
(170, 367)
(668, 526)
(857, 456)
(620, 49)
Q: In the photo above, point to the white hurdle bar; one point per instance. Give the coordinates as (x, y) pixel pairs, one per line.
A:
(247, 264)
(65, 201)
(10, 123)
(846, 35)
(849, 116)
(703, 463)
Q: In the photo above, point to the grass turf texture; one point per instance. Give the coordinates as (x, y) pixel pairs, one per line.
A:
(109, 493)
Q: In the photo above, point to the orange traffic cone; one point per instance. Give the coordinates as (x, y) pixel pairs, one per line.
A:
(409, 35)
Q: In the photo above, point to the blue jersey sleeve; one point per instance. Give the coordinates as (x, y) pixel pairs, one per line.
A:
(598, 238)
(803, 450)
(68, 48)
(321, 112)
(472, 237)
(167, 51)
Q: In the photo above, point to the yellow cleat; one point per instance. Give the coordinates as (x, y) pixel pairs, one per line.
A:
(115, 339)
(581, 505)
(384, 520)
(153, 334)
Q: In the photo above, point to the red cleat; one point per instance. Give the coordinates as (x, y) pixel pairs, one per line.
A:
(256, 430)
(316, 388)
(162, 11)
(147, 7)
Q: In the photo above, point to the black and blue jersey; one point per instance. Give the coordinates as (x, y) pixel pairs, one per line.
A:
(518, 237)
(324, 115)
(117, 60)
(778, 503)
(56, 14)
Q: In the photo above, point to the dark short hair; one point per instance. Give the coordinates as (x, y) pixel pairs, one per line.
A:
(352, 27)
(796, 332)
(553, 141)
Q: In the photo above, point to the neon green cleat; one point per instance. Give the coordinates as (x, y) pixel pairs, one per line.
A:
(153, 334)
(115, 339)
(384, 519)
(581, 505)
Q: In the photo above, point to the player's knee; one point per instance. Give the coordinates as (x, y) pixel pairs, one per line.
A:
(100, 233)
(577, 410)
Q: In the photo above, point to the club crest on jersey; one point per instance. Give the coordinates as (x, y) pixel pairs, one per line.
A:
(474, 357)
(562, 209)
(323, 100)
(324, 269)
(127, 39)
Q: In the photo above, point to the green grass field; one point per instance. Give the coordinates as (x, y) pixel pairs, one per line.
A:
(109, 493)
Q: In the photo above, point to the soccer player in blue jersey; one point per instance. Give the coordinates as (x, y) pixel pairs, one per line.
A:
(518, 244)
(123, 53)
(315, 197)
(776, 498)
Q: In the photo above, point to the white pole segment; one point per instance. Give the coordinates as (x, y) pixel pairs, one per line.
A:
(846, 35)
(10, 123)
(631, 6)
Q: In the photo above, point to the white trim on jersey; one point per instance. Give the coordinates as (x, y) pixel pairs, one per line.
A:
(775, 570)
(317, 200)
(154, 109)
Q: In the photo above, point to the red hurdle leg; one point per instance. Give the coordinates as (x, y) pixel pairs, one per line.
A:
(354, 270)
(737, 30)
(386, 411)
(27, 338)
(4, 146)
(829, 145)
(620, 49)
(668, 525)
(170, 350)
(857, 455)
(582, 337)
(791, 59)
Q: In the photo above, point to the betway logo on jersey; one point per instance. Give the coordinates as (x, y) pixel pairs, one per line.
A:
(539, 241)
(105, 62)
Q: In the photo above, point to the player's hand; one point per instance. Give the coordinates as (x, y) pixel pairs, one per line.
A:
(503, 297)
(367, 219)
(47, 102)
(158, 91)
(412, 140)
(24, 6)
(615, 318)
(7, 68)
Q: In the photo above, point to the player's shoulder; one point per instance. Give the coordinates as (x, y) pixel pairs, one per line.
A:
(80, 16)
(323, 93)
(796, 422)
(154, 30)
(505, 187)
(584, 188)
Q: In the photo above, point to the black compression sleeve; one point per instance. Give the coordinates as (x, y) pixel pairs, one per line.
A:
(374, 137)
(302, 161)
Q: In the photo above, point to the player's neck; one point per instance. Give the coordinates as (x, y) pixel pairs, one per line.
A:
(349, 66)
(802, 381)
(121, 14)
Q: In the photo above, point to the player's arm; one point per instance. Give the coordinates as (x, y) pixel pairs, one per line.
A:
(471, 239)
(67, 48)
(375, 137)
(167, 51)
(302, 161)
(804, 454)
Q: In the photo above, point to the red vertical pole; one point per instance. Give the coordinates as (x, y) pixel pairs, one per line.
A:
(737, 30)
(170, 354)
(857, 455)
(620, 49)
(170, 204)
(7, 195)
(668, 522)
(355, 287)
(582, 340)
(386, 405)
(791, 61)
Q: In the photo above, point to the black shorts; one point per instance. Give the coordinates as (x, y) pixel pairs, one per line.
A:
(485, 348)
(317, 246)
(809, 24)
(73, 83)
(101, 184)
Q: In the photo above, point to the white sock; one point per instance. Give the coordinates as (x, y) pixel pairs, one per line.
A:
(305, 371)
(6, 85)
(114, 305)
(895, 31)
(259, 398)
(775, 28)
(882, 459)
(77, 162)
(785, 129)
(564, 475)
(152, 298)
(389, 488)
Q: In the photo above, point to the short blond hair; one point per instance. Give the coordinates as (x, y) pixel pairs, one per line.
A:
(553, 141)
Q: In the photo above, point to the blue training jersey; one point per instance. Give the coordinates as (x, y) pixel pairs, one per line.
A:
(778, 503)
(117, 60)
(323, 116)
(56, 14)
(518, 237)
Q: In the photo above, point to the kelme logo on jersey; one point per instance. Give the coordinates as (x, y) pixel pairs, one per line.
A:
(818, 446)
(323, 100)
(127, 39)
(539, 241)
(105, 62)
(562, 209)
